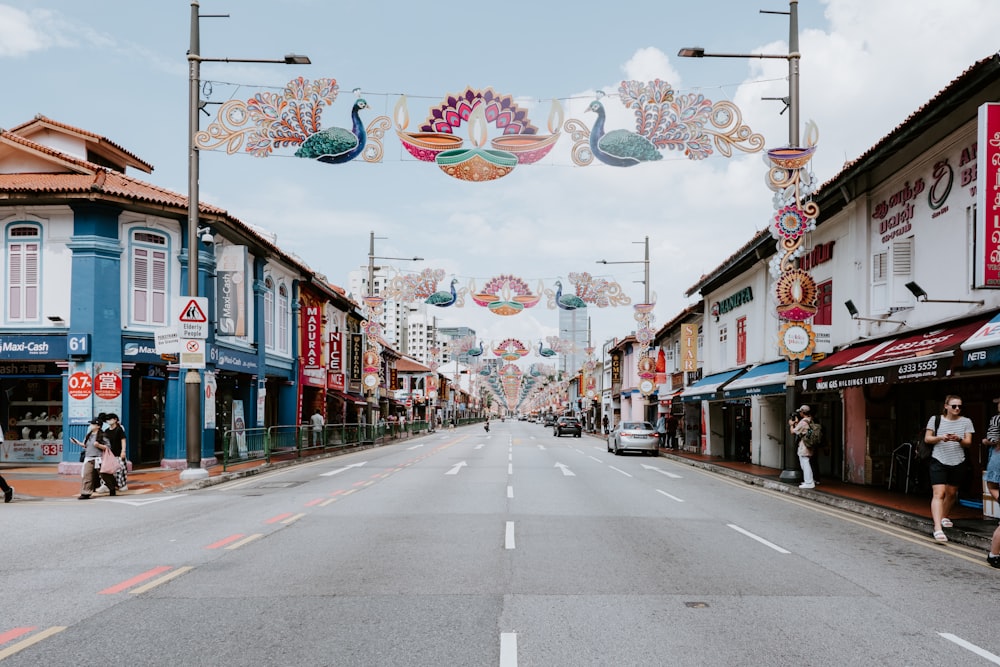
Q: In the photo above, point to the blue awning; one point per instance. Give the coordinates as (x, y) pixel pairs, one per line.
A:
(707, 388)
(762, 379)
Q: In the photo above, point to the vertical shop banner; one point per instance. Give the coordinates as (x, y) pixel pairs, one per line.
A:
(616, 370)
(356, 352)
(689, 347)
(312, 342)
(238, 435)
(107, 388)
(231, 291)
(336, 352)
(211, 389)
(80, 408)
(988, 198)
(393, 379)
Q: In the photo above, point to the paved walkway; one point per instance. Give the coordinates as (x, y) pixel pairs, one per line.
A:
(909, 510)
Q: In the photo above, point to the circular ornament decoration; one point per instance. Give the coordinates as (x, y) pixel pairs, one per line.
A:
(791, 157)
(371, 381)
(791, 222)
(796, 294)
(646, 387)
(797, 340)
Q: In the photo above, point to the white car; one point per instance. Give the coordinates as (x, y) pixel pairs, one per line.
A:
(634, 436)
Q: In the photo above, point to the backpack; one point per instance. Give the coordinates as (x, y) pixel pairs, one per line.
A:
(813, 436)
(925, 450)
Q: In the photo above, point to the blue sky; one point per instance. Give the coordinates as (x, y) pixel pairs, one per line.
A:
(118, 68)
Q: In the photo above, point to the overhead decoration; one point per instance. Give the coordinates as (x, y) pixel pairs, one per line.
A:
(545, 351)
(446, 298)
(796, 213)
(511, 349)
(689, 123)
(413, 287)
(506, 295)
(598, 291)
(499, 133)
(371, 366)
(270, 121)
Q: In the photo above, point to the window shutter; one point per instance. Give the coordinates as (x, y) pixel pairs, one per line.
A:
(158, 315)
(14, 286)
(902, 273)
(880, 282)
(140, 285)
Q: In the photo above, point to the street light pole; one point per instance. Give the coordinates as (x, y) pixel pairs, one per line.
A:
(192, 379)
(793, 57)
(645, 268)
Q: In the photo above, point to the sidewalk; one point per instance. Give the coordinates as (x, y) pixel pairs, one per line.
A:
(911, 511)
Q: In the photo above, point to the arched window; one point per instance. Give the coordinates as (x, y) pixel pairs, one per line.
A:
(148, 268)
(24, 250)
(284, 316)
(268, 313)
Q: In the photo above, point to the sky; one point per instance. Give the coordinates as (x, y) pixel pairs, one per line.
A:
(118, 68)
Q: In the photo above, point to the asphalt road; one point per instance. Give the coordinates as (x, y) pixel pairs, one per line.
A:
(467, 548)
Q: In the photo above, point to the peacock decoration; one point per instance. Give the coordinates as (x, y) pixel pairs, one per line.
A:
(476, 351)
(444, 299)
(564, 301)
(545, 351)
(269, 121)
(689, 122)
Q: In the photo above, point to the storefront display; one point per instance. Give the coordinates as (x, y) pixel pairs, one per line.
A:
(34, 414)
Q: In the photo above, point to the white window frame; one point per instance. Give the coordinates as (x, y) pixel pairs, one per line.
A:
(283, 314)
(24, 263)
(268, 313)
(157, 255)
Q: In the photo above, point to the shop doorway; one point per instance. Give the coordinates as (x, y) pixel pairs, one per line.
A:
(151, 417)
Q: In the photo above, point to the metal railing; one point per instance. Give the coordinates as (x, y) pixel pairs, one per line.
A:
(290, 442)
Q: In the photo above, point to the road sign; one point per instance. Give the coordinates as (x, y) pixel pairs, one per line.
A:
(192, 354)
(168, 341)
(192, 318)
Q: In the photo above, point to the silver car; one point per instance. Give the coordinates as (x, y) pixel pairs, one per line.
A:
(635, 436)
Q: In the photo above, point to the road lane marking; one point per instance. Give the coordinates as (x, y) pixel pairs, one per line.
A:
(662, 472)
(680, 500)
(162, 580)
(596, 459)
(331, 473)
(276, 519)
(245, 541)
(759, 539)
(292, 519)
(223, 542)
(508, 649)
(148, 574)
(11, 635)
(315, 501)
(510, 491)
(510, 468)
(31, 641)
(508, 539)
(982, 653)
(456, 468)
(414, 447)
(620, 470)
(565, 470)
(479, 446)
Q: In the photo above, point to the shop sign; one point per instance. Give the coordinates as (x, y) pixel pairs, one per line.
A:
(335, 381)
(142, 351)
(33, 347)
(616, 368)
(336, 352)
(689, 348)
(107, 388)
(988, 198)
(231, 288)
(928, 369)
(744, 296)
(357, 350)
(313, 377)
(312, 342)
(232, 360)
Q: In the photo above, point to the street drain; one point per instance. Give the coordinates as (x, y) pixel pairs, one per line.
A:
(696, 605)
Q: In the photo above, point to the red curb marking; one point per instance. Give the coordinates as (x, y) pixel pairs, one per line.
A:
(15, 633)
(337, 492)
(149, 574)
(317, 501)
(228, 540)
(279, 517)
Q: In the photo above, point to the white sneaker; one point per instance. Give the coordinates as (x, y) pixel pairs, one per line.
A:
(804, 485)
(101, 489)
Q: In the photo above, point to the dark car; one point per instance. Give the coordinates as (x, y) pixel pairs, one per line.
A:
(569, 425)
(549, 420)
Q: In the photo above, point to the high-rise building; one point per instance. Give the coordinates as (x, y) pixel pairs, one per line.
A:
(574, 332)
(394, 316)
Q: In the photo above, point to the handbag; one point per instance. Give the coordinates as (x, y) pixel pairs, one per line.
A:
(121, 476)
(109, 462)
(925, 450)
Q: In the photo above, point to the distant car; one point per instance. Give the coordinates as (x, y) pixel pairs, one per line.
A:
(634, 436)
(569, 425)
(550, 420)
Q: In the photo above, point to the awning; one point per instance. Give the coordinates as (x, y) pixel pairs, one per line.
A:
(347, 398)
(924, 355)
(706, 388)
(762, 379)
(983, 346)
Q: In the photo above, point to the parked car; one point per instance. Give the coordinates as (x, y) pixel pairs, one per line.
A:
(550, 420)
(569, 425)
(635, 436)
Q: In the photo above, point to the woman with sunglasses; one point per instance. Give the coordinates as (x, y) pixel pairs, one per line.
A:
(949, 435)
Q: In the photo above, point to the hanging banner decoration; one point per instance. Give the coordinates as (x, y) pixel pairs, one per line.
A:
(689, 123)
(545, 351)
(371, 364)
(598, 291)
(270, 121)
(644, 334)
(413, 288)
(796, 213)
(511, 349)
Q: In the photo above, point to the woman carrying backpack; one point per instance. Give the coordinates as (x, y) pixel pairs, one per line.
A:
(949, 434)
(800, 424)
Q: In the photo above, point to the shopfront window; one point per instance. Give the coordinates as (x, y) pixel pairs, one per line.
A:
(24, 247)
(268, 313)
(283, 313)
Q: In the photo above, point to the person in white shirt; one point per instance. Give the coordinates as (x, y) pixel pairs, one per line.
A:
(317, 422)
(949, 434)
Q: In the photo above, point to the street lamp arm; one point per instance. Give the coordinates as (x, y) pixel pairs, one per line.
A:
(402, 259)
(290, 59)
(698, 52)
(637, 261)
